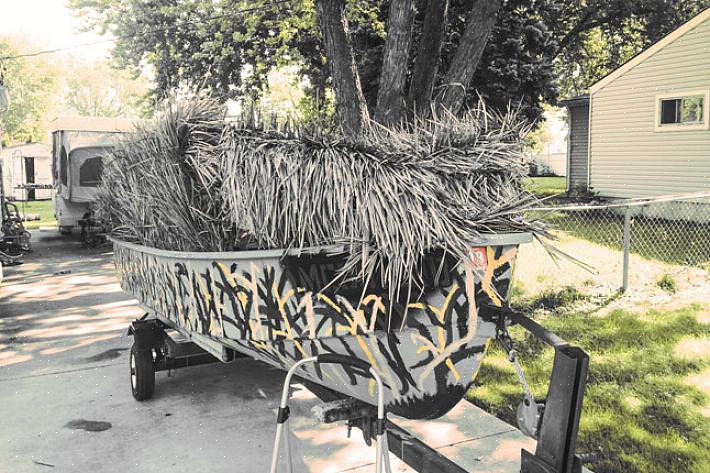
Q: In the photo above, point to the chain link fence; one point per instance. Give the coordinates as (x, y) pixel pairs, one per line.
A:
(643, 246)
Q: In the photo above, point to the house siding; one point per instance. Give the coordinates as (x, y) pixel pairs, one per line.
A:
(628, 157)
(577, 172)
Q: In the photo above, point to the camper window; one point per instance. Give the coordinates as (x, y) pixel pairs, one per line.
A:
(63, 166)
(90, 172)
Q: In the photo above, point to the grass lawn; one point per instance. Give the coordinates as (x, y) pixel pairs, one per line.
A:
(43, 208)
(647, 405)
(546, 186)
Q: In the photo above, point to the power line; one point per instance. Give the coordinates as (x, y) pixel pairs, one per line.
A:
(56, 50)
(147, 32)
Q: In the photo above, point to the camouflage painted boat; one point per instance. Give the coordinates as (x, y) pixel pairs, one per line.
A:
(271, 305)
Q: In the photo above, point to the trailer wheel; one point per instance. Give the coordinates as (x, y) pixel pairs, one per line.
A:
(142, 373)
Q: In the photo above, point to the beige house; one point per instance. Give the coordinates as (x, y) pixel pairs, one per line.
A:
(644, 130)
(27, 171)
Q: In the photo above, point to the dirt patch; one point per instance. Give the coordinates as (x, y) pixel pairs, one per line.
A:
(537, 273)
(88, 425)
(704, 317)
(701, 381)
(693, 348)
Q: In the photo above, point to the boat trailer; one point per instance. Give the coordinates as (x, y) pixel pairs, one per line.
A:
(554, 422)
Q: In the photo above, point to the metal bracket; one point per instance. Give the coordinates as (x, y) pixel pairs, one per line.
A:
(405, 445)
(556, 447)
(557, 442)
(355, 412)
(147, 333)
(529, 412)
(170, 353)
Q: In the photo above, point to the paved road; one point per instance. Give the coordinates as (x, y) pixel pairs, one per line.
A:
(63, 365)
(66, 406)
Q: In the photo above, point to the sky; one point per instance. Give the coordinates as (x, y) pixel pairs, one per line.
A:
(50, 24)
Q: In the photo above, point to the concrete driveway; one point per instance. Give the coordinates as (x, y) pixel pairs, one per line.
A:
(66, 404)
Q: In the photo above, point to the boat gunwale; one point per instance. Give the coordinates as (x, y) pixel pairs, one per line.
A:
(487, 239)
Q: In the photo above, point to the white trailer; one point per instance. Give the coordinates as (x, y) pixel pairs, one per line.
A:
(79, 145)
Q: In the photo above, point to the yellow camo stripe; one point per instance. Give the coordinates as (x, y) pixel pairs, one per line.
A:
(452, 368)
(369, 356)
(328, 301)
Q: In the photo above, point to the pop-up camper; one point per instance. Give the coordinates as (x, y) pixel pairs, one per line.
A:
(79, 145)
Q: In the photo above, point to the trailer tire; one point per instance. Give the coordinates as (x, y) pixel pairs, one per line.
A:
(142, 373)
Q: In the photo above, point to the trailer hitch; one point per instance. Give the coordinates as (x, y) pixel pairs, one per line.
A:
(556, 423)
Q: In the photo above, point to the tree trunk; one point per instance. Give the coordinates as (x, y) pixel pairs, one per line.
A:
(349, 99)
(390, 92)
(479, 25)
(426, 64)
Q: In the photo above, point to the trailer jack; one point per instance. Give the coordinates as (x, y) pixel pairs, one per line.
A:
(554, 422)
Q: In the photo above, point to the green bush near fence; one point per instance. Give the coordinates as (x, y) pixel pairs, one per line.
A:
(645, 410)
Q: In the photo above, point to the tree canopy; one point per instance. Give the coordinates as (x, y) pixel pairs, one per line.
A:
(597, 36)
(95, 89)
(42, 88)
(34, 87)
(425, 52)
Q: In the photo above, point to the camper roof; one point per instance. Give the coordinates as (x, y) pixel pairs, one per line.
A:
(99, 124)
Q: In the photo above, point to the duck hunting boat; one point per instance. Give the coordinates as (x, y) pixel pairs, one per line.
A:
(377, 272)
(270, 305)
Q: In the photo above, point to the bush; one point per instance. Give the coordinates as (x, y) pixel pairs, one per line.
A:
(667, 283)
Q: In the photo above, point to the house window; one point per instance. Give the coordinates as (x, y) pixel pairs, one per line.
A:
(683, 111)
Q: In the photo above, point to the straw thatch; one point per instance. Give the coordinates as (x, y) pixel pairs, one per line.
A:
(162, 187)
(190, 182)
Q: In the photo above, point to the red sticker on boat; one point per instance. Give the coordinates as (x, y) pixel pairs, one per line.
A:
(479, 258)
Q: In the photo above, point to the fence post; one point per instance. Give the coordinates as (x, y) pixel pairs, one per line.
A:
(627, 248)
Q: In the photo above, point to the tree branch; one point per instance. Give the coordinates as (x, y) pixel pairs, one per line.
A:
(426, 64)
(578, 28)
(479, 25)
(569, 38)
(390, 93)
(349, 100)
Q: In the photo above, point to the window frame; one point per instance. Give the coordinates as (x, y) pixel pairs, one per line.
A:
(97, 182)
(681, 94)
(64, 167)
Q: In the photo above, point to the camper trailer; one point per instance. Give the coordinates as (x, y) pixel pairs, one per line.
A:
(79, 145)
